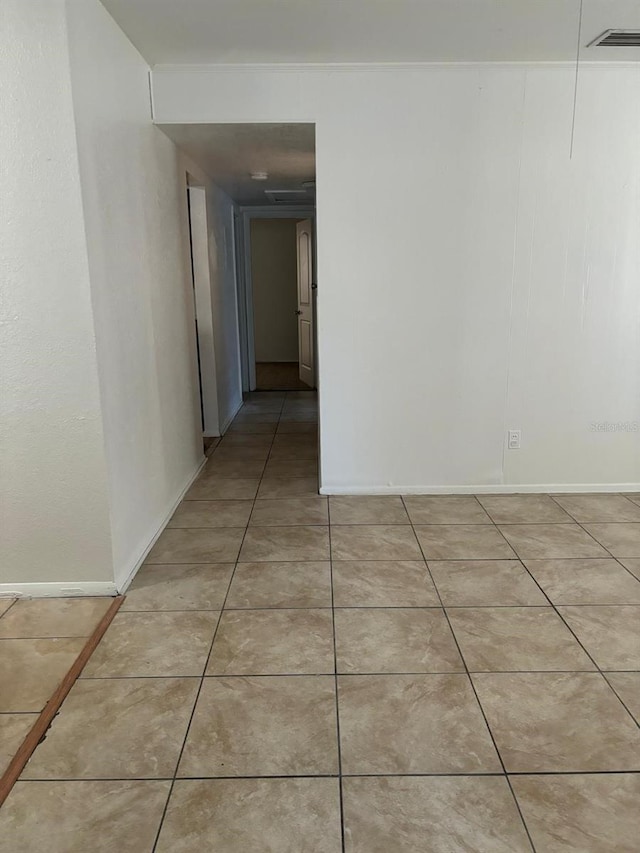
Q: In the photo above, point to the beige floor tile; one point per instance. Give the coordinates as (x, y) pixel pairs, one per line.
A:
(241, 439)
(395, 640)
(306, 584)
(273, 642)
(558, 722)
(285, 543)
(116, 728)
(224, 453)
(249, 418)
(632, 565)
(288, 487)
(591, 813)
(243, 469)
(220, 545)
(5, 604)
(54, 617)
(463, 542)
(480, 583)
(219, 488)
(412, 724)
(585, 508)
(242, 815)
(251, 428)
(30, 671)
(212, 514)
(546, 541)
(513, 639)
(263, 726)
(627, 686)
(283, 452)
(254, 407)
(374, 542)
(610, 633)
(74, 817)
(202, 586)
(13, 730)
(297, 428)
(290, 511)
(285, 440)
(367, 510)
(633, 496)
(431, 815)
(445, 509)
(621, 540)
(154, 644)
(299, 417)
(586, 581)
(383, 583)
(523, 509)
(291, 468)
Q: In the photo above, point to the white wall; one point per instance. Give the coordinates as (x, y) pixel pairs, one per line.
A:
(472, 277)
(54, 514)
(274, 287)
(135, 204)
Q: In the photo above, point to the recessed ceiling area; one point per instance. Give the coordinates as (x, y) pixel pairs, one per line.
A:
(343, 31)
(230, 153)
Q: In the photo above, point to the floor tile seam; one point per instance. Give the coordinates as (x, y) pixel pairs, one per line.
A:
(477, 698)
(336, 687)
(206, 664)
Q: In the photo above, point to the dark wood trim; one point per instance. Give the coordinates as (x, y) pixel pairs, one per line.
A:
(49, 711)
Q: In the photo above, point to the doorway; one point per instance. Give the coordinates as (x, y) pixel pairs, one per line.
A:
(279, 290)
(282, 314)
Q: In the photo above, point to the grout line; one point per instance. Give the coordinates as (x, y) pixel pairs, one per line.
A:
(206, 664)
(477, 698)
(335, 687)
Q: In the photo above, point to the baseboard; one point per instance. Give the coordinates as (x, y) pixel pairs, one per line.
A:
(124, 578)
(60, 589)
(225, 426)
(499, 489)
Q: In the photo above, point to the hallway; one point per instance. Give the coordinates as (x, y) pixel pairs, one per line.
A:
(300, 674)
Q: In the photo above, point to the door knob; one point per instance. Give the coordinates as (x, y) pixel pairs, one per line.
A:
(298, 311)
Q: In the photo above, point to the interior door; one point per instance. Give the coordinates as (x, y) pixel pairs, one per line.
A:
(305, 302)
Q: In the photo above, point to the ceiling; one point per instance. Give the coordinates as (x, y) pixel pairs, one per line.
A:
(343, 31)
(230, 152)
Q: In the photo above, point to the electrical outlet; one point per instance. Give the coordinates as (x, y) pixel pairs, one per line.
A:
(514, 439)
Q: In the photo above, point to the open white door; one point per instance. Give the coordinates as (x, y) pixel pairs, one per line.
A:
(305, 302)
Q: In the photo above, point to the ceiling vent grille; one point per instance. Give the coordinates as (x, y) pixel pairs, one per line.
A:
(617, 38)
(286, 196)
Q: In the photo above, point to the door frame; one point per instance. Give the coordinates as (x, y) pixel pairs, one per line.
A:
(197, 214)
(245, 284)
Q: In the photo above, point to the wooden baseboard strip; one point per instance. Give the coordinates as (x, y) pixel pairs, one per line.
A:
(49, 711)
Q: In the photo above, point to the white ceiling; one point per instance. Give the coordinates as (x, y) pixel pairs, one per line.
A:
(215, 31)
(230, 152)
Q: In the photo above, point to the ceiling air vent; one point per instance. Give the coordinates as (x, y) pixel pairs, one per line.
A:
(617, 38)
(285, 196)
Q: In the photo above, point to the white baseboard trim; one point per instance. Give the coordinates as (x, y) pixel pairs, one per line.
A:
(61, 589)
(225, 426)
(124, 578)
(499, 489)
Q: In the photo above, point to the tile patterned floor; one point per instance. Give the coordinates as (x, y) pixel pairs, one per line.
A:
(39, 641)
(362, 674)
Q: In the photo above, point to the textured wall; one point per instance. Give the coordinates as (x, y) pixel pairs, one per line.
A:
(134, 194)
(54, 522)
(472, 277)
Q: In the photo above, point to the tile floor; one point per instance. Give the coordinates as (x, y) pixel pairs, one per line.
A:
(294, 673)
(39, 641)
